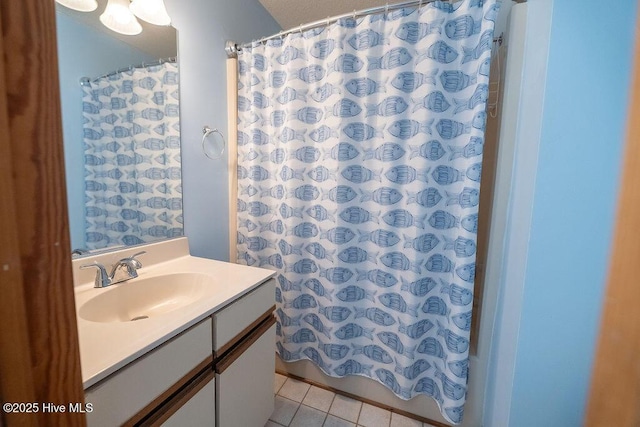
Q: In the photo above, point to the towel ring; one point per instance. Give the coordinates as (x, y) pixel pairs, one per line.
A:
(209, 149)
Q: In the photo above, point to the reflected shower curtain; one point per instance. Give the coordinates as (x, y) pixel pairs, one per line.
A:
(133, 189)
(360, 148)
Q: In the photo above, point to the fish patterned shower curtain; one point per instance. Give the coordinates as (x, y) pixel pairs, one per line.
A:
(359, 152)
(133, 187)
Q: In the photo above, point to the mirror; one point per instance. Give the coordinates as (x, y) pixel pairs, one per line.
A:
(121, 131)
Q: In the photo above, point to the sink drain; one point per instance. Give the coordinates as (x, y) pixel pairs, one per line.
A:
(139, 318)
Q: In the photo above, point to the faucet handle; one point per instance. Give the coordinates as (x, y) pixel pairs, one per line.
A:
(136, 263)
(102, 277)
(131, 263)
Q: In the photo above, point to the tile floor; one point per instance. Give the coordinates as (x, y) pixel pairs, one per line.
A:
(299, 404)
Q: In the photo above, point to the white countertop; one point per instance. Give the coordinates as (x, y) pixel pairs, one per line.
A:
(107, 347)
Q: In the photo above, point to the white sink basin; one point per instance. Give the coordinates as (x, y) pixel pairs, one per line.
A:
(143, 298)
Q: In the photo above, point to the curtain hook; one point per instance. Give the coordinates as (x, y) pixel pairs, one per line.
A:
(328, 22)
(386, 9)
(420, 4)
(354, 14)
(300, 29)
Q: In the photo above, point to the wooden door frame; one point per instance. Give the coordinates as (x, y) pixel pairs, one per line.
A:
(39, 353)
(614, 398)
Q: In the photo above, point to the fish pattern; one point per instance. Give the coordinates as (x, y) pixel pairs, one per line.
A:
(360, 151)
(132, 165)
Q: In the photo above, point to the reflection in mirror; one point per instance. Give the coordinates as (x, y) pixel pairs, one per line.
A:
(121, 131)
(132, 156)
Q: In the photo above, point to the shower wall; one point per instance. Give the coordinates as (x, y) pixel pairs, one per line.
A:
(508, 274)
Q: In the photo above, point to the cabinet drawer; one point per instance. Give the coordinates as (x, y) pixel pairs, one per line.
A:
(122, 395)
(236, 319)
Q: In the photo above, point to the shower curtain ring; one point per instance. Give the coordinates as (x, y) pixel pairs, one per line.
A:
(354, 14)
(386, 9)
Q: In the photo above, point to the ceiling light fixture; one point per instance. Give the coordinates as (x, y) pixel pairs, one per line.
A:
(151, 11)
(80, 5)
(118, 17)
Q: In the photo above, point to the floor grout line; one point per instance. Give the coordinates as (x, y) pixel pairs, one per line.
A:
(326, 413)
(299, 403)
(359, 412)
(355, 397)
(331, 404)
(305, 393)
(324, 420)
(294, 414)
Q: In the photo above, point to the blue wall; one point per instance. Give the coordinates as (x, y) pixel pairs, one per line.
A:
(203, 27)
(573, 213)
(83, 52)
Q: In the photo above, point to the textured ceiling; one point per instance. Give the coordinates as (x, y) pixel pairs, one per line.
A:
(159, 42)
(292, 13)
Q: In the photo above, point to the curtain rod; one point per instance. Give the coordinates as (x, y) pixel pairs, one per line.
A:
(233, 48)
(84, 81)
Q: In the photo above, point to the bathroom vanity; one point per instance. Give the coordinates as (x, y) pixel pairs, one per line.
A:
(189, 342)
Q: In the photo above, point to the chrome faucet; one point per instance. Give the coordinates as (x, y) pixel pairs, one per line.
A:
(123, 270)
(102, 277)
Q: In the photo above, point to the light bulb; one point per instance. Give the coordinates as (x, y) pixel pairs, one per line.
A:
(118, 17)
(151, 11)
(80, 5)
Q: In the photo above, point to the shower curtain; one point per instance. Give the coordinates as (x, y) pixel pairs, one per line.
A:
(133, 189)
(359, 152)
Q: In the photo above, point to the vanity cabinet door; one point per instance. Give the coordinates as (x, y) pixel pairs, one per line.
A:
(244, 381)
(198, 411)
(132, 392)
